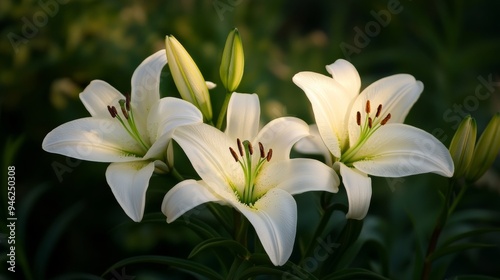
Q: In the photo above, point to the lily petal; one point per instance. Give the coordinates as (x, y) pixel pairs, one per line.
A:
(396, 93)
(359, 191)
(297, 176)
(97, 96)
(208, 151)
(185, 196)
(274, 217)
(313, 144)
(330, 116)
(346, 74)
(129, 182)
(397, 150)
(243, 116)
(168, 114)
(281, 134)
(146, 88)
(93, 139)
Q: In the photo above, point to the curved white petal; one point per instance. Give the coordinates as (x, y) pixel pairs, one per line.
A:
(396, 93)
(129, 182)
(397, 150)
(297, 176)
(330, 102)
(208, 151)
(313, 144)
(97, 96)
(164, 117)
(185, 196)
(345, 74)
(359, 191)
(274, 217)
(280, 135)
(146, 88)
(243, 116)
(93, 139)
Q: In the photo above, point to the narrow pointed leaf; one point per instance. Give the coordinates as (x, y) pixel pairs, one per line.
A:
(193, 268)
(469, 234)
(219, 242)
(457, 248)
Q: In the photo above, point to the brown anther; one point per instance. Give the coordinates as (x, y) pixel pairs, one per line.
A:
(370, 122)
(127, 102)
(269, 155)
(358, 118)
(240, 147)
(250, 148)
(386, 119)
(367, 108)
(115, 112)
(111, 112)
(233, 153)
(261, 148)
(379, 109)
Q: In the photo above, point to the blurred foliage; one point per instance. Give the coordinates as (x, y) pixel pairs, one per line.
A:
(71, 224)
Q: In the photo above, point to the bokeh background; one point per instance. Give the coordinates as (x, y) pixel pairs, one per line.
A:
(68, 220)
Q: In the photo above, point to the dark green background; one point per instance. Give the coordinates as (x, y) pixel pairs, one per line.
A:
(72, 223)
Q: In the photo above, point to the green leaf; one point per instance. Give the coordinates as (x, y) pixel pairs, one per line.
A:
(474, 277)
(193, 268)
(51, 237)
(457, 248)
(199, 227)
(263, 270)
(354, 273)
(468, 234)
(262, 259)
(77, 276)
(218, 242)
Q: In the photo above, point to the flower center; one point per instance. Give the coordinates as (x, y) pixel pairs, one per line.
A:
(128, 121)
(368, 127)
(250, 169)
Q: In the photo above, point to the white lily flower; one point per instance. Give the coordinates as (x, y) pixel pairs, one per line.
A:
(250, 171)
(364, 132)
(135, 138)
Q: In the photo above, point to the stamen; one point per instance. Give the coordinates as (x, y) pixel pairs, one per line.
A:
(379, 109)
(240, 147)
(233, 153)
(386, 119)
(114, 111)
(122, 106)
(250, 148)
(370, 122)
(269, 155)
(358, 118)
(261, 148)
(367, 108)
(111, 112)
(127, 102)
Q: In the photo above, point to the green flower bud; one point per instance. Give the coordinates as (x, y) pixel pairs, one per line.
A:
(486, 150)
(187, 77)
(462, 146)
(233, 61)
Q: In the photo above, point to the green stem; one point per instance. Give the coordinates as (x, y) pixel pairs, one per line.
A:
(325, 218)
(438, 228)
(223, 110)
(176, 174)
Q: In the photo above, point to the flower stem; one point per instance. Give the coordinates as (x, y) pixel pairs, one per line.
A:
(223, 110)
(440, 223)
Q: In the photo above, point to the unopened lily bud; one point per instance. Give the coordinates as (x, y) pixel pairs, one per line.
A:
(462, 146)
(233, 61)
(486, 150)
(187, 77)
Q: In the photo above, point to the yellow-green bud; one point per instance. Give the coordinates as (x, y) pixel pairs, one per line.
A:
(486, 150)
(462, 146)
(233, 61)
(187, 77)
